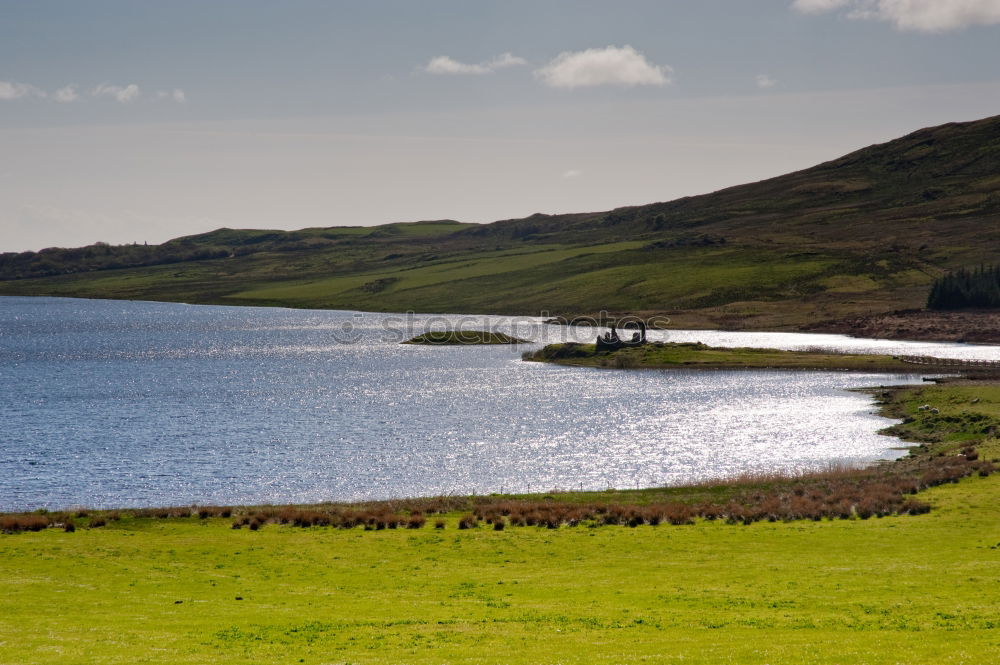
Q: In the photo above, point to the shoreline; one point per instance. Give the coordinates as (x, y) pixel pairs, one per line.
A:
(974, 326)
(698, 356)
(919, 445)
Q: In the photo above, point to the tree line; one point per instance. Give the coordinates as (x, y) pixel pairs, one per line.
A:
(966, 288)
(101, 256)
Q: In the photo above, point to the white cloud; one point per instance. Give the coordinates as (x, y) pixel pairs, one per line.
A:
(603, 66)
(819, 6)
(15, 90)
(572, 173)
(66, 94)
(121, 94)
(443, 64)
(70, 93)
(764, 81)
(506, 60)
(176, 95)
(916, 15)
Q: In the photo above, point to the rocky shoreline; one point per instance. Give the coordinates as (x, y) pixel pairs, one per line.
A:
(971, 327)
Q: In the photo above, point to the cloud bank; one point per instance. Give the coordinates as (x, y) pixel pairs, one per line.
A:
(446, 65)
(15, 90)
(764, 81)
(176, 95)
(623, 67)
(123, 94)
(915, 15)
(66, 94)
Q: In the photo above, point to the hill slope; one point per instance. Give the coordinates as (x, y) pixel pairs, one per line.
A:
(862, 234)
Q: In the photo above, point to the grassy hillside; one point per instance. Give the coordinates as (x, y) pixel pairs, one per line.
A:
(862, 234)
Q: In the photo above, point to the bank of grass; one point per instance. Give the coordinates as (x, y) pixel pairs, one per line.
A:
(166, 588)
(463, 337)
(672, 355)
(949, 414)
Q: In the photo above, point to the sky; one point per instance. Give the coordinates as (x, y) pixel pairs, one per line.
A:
(140, 121)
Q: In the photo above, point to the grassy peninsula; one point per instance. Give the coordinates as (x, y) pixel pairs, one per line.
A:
(460, 337)
(694, 355)
(910, 588)
(826, 247)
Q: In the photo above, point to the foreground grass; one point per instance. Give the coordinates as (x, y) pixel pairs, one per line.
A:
(910, 589)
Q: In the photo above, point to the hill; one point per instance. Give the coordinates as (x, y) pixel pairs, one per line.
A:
(860, 235)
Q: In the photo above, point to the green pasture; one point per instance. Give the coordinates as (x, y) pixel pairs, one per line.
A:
(894, 590)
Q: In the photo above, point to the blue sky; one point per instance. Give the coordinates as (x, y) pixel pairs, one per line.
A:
(141, 121)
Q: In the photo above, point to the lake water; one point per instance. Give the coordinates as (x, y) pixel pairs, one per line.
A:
(114, 403)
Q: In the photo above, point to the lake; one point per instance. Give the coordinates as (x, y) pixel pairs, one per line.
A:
(117, 403)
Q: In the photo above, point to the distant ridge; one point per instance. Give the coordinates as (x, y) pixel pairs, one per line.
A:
(862, 234)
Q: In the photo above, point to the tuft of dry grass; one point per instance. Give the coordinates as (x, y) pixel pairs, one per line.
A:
(837, 493)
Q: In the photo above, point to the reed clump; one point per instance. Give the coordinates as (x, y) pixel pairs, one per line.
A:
(839, 493)
(836, 494)
(24, 522)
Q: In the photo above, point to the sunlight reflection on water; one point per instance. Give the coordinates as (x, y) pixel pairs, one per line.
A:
(111, 403)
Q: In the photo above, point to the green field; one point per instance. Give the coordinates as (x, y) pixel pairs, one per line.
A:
(895, 590)
(908, 589)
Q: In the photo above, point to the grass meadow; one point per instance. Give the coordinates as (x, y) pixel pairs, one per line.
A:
(911, 589)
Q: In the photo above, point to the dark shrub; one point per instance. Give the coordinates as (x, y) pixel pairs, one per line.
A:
(912, 507)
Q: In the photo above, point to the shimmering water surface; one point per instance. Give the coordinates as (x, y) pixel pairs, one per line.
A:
(110, 403)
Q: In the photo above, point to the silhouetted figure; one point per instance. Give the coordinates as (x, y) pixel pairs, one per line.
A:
(610, 341)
